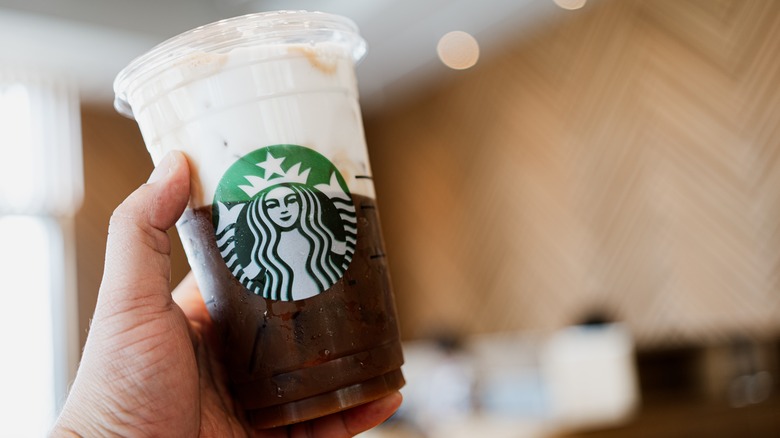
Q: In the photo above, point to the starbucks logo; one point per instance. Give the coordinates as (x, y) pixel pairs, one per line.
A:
(285, 222)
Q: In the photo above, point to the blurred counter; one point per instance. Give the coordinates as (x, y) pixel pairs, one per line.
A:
(585, 382)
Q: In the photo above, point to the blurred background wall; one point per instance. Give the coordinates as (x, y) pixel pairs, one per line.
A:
(625, 161)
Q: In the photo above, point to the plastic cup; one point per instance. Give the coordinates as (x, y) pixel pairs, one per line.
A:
(282, 230)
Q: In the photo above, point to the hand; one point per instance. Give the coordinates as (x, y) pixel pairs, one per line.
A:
(147, 367)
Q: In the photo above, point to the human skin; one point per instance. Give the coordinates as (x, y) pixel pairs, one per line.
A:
(148, 367)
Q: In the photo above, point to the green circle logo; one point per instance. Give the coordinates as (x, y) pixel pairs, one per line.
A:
(285, 222)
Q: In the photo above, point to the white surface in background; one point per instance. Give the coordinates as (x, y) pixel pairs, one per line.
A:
(27, 375)
(590, 375)
(521, 385)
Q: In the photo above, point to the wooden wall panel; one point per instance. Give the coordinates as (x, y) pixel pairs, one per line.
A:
(115, 164)
(627, 160)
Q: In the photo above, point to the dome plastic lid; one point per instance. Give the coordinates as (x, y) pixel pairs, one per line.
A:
(265, 28)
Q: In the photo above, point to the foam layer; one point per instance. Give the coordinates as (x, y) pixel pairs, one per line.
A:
(219, 107)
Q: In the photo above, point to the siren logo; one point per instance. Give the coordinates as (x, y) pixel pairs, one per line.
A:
(285, 222)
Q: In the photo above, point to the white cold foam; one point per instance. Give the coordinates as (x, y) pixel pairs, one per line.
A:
(221, 107)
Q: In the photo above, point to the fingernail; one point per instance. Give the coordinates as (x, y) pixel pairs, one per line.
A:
(164, 168)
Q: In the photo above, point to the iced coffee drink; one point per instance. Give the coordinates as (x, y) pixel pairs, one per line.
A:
(282, 230)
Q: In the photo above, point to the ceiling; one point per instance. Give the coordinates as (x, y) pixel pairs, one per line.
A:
(91, 40)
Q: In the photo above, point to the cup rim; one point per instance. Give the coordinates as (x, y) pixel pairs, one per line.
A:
(221, 36)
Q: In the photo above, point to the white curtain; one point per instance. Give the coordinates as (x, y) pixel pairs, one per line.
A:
(40, 145)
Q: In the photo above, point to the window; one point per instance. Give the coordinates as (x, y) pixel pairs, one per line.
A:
(40, 190)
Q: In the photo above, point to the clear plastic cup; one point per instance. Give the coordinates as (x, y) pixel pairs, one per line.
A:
(282, 230)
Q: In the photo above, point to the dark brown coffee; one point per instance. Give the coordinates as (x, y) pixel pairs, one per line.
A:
(290, 361)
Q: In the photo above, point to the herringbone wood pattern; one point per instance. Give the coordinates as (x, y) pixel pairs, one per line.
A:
(627, 159)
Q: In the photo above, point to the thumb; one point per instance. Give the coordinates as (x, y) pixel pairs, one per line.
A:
(137, 269)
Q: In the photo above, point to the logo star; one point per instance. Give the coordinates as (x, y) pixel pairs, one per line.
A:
(272, 166)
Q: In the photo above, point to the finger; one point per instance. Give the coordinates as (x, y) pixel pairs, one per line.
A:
(186, 292)
(370, 415)
(137, 269)
(187, 296)
(351, 422)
